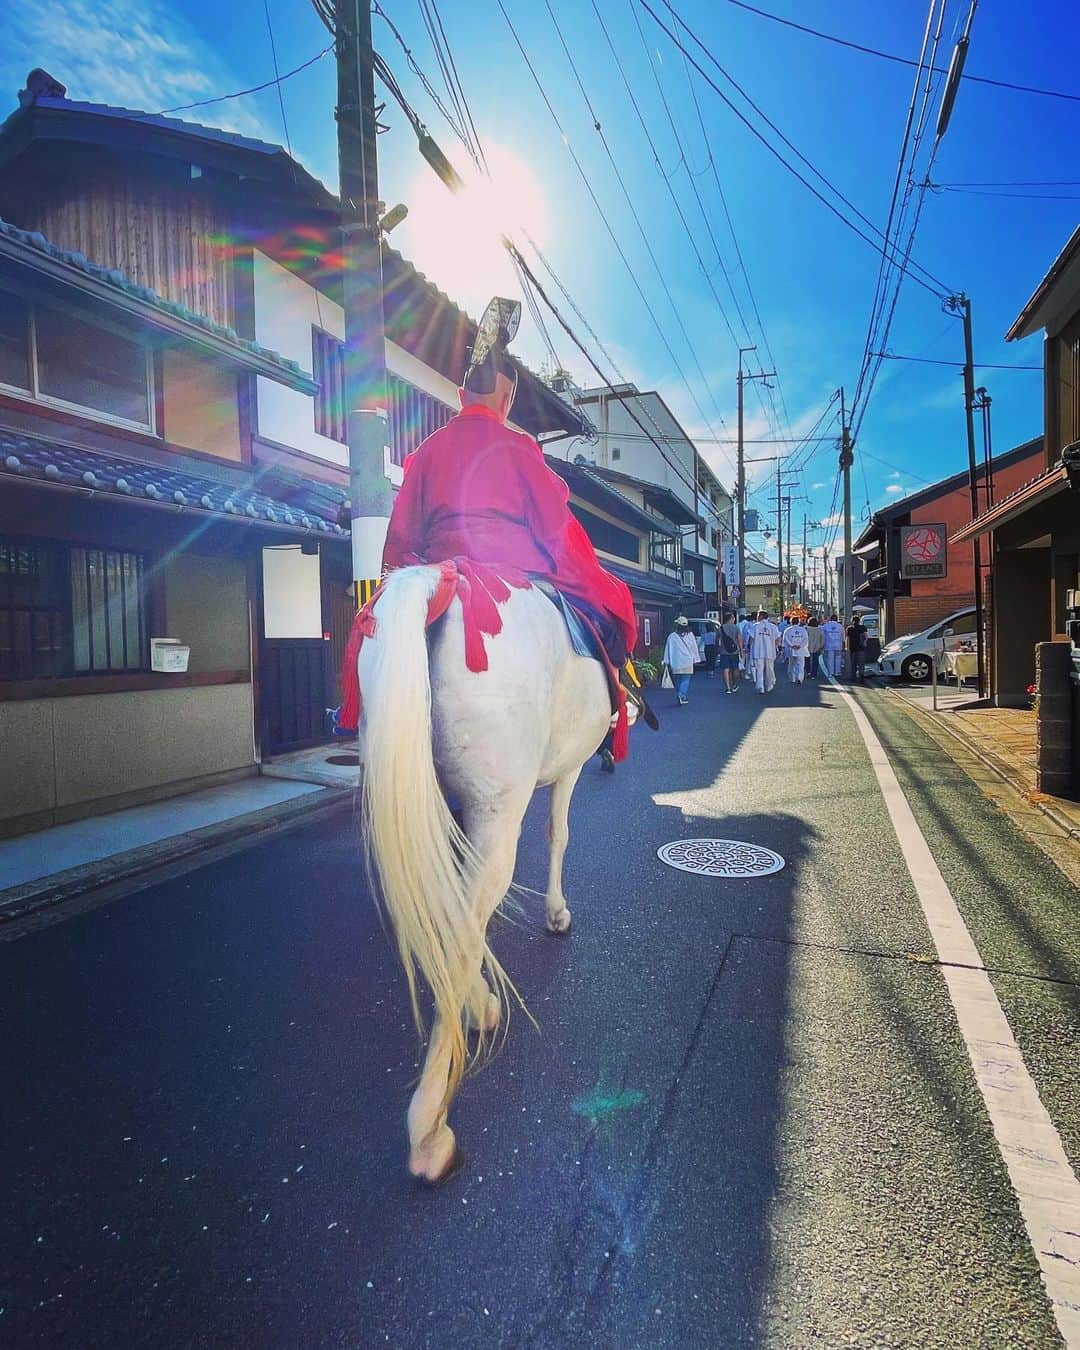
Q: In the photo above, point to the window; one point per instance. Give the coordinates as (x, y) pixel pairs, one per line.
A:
(70, 611)
(606, 537)
(32, 610)
(328, 365)
(81, 363)
(962, 625)
(412, 417)
(56, 356)
(616, 453)
(14, 341)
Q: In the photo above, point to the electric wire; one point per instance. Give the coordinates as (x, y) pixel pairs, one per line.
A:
(636, 216)
(697, 196)
(927, 280)
(738, 251)
(419, 72)
(933, 361)
(278, 80)
(883, 265)
(599, 207)
(901, 60)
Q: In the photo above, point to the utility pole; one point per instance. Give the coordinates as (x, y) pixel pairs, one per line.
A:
(779, 537)
(362, 292)
(805, 568)
(740, 474)
(846, 458)
(787, 536)
(962, 305)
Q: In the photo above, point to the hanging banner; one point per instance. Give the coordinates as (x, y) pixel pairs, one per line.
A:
(923, 552)
(731, 566)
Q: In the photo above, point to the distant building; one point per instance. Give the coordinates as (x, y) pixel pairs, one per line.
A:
(909, 605)
(640, 441)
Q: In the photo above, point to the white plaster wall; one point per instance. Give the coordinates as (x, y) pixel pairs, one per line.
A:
(292, 595)
(286, 308)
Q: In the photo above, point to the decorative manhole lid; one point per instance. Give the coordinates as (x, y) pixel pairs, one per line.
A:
(351, 761)
(720, 858)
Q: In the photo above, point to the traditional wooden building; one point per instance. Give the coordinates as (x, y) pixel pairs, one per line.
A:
(1034, 530)
(174, 458)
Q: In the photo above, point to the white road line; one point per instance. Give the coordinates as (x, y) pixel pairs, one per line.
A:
(1045, 1184)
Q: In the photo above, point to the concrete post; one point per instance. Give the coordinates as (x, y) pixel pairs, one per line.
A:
(1054, 718)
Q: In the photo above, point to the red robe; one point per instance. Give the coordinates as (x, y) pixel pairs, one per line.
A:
(476, 489)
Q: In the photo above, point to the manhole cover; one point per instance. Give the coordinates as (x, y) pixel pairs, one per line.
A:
(720, 857)
(351, 761)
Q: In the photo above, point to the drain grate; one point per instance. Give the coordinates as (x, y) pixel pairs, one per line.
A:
(720, 858)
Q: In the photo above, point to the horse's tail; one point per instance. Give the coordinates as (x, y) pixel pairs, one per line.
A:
(422, 858)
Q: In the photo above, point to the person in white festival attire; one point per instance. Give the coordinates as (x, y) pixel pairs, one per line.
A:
(833, 633)
(796, 644)
(764, 646)
(746, 628)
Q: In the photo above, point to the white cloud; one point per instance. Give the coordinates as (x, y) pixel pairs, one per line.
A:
(132, 54)
(894, 490)
(895, 473)
(837, 519)
(816, 487)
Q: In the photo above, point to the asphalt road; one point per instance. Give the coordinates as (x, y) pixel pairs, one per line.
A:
(749, 1118)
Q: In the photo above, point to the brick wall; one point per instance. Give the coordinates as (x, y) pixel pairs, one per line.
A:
(914, 613)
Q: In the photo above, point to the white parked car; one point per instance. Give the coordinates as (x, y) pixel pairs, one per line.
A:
(910, 657)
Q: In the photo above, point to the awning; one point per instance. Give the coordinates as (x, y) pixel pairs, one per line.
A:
(1039, 490)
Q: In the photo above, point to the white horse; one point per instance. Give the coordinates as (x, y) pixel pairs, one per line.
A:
(436, 732)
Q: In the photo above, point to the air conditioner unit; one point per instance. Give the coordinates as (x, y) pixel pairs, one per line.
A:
(713, 614)
(689, 581)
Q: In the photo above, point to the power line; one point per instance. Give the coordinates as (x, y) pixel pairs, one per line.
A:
(932, 361)
(1020, 196)
(900, 60)
(599, 207)
(693, 186)
(935, 287)
(255, 88)
(883, 310)
(1005, 183)
(674, 465)
(418, 71)
(633, 210)
(739, 257)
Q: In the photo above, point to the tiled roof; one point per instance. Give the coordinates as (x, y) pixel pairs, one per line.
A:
(114, 277)
(296, 503)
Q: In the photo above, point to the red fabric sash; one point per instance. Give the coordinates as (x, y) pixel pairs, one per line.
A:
(481, 590)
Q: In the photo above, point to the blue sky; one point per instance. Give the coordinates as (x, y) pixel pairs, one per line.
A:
(812, 279)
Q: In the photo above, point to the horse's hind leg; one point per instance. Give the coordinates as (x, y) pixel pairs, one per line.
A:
(433, 1152)
(557, 915)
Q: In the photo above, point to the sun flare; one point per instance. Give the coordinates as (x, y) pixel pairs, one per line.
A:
(456, 238)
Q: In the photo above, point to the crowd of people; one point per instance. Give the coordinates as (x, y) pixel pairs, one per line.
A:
(747, 647)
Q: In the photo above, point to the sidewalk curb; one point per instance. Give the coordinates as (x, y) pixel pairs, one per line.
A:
(996, 766)
(18, 902)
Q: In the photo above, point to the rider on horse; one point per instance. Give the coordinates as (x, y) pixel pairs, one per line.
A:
(478, 490)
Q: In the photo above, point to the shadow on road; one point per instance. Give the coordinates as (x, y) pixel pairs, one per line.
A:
(209, 1080)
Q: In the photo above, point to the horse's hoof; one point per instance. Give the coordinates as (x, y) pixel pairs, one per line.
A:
(560, 924)
(449, 1172)
(492, 1016)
